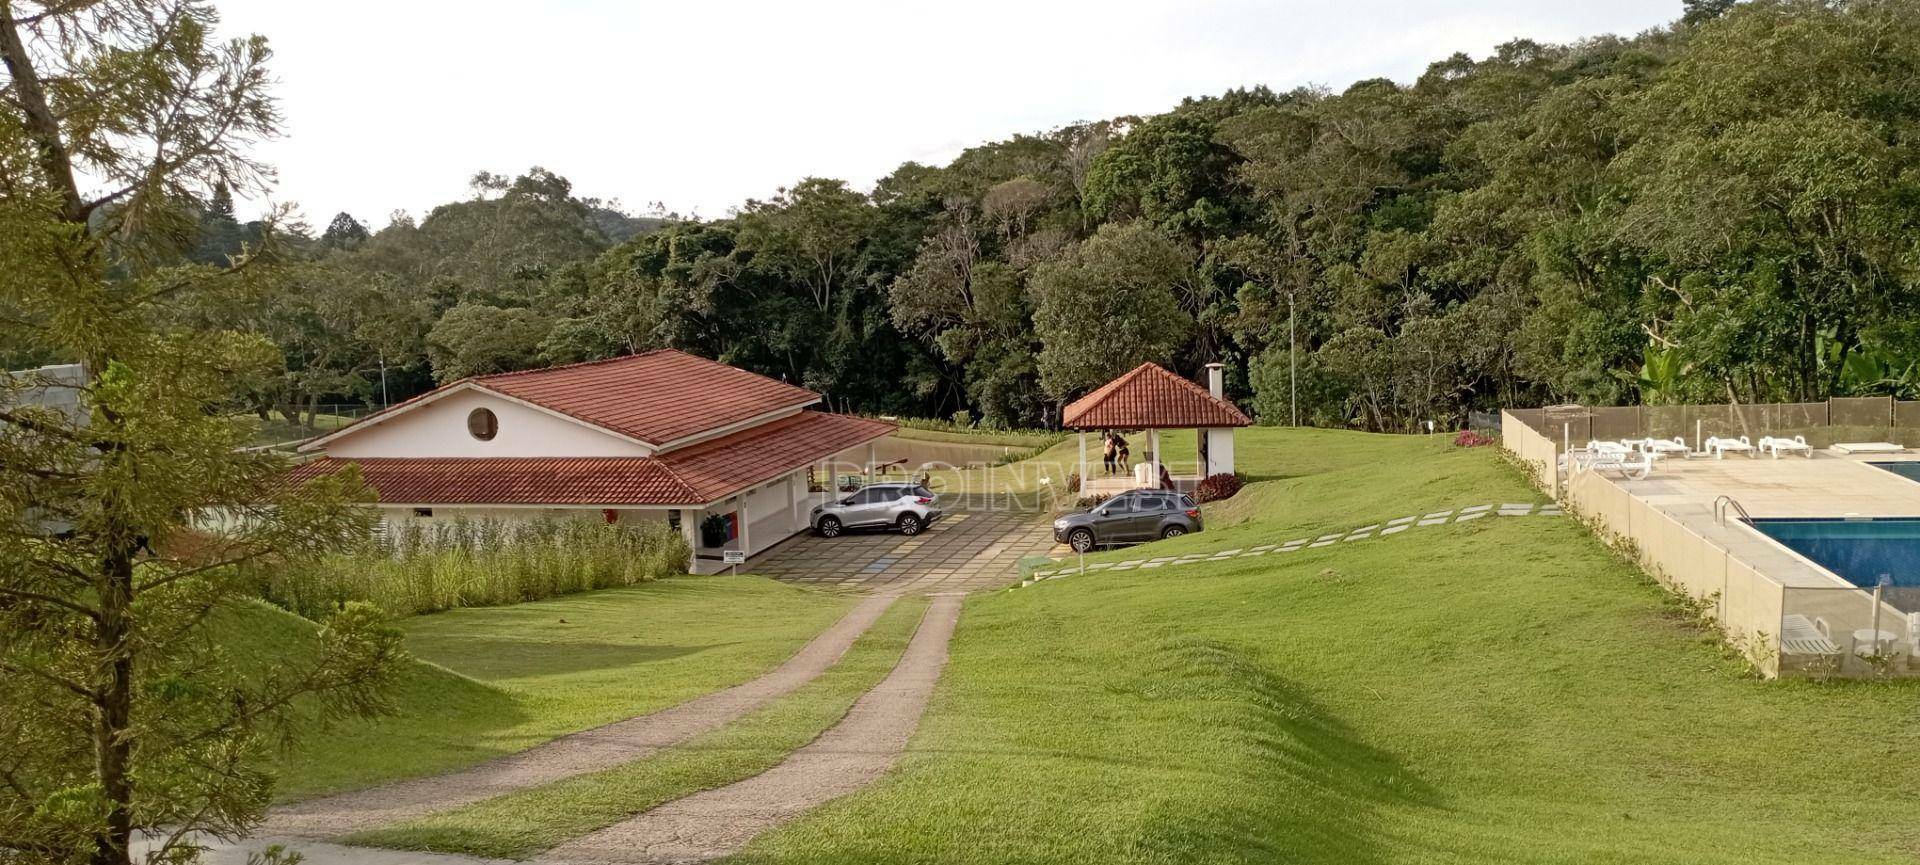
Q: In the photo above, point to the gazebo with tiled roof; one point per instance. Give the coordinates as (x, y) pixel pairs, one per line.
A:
(1151, 398)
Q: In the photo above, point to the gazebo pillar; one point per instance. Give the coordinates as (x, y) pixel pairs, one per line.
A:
(1083, 462)
(1153, 446)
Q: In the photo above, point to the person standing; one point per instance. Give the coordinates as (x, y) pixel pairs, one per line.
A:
(1121, 455)
(1108, 451)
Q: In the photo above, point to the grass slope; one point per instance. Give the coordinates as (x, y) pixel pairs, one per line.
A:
(1307, 482)
(1009, 438)
(1503, 691)
(521, 824)
(502, 679)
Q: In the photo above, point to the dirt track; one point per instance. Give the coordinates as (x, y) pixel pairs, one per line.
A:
(575, 754)
(851, 755)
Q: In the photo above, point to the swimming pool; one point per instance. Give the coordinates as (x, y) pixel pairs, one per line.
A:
(1908, 470)
(1860, 550)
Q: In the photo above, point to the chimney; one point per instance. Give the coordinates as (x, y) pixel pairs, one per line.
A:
(1217, 380)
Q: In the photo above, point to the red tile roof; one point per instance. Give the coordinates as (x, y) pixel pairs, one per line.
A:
(511, 480)
(658, 397)
(1150, 397)
(697, 474)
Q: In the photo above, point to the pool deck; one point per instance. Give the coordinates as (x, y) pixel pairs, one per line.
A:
(1828, 485)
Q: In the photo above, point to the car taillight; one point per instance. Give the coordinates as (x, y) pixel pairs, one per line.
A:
(1194, 513)
(924, 501)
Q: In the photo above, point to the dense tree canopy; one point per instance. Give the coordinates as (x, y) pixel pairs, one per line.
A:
(1663, 217)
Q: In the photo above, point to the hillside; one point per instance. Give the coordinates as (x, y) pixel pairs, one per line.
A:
(493, 681)
(1506, 690)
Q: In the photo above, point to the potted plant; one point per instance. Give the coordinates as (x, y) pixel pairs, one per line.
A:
(713, 531)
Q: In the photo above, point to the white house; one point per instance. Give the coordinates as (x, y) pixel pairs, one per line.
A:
(661, 436)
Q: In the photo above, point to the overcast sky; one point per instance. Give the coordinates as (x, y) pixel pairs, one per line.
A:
(701, 105)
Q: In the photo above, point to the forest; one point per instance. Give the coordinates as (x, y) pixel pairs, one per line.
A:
(1720, 209)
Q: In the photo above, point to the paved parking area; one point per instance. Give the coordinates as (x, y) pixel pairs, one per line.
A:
(965, 551)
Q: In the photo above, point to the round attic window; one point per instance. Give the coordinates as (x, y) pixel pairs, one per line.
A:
(481, 424)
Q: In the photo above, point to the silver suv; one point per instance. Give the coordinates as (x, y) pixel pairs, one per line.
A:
(907, 507)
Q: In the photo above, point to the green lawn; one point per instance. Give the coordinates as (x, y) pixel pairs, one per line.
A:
(518, 825)
(1308, 482)
(1261, 454)
(279, 430)
(1010, 438)
(1022, 476)
(1503, 691)
(502, 679)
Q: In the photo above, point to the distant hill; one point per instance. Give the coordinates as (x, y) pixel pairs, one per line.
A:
(620, 227)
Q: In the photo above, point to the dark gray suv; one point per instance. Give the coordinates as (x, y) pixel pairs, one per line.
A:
(1131, 517)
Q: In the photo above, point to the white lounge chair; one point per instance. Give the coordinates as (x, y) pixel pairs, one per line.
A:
(1621, 461)
(1811, 638)
(1599, 447)
(1778, 446)
(1664, 447)
(1719, 447)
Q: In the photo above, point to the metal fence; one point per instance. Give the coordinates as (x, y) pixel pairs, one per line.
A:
(1849, 419)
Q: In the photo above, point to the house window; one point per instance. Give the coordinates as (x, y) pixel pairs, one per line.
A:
(481, 424)
(423, 512)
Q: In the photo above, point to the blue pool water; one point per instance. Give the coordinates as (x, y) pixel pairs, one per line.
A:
(1859, 550)
(1908, 470)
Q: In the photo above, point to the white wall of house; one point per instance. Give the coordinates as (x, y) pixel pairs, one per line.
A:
(767, 515)
(1219, 452)
(439, 429)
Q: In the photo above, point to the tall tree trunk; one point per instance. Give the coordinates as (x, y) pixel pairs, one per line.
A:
(113, 723)
(42, 126)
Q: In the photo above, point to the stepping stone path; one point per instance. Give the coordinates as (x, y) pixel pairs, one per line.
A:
(1377, 530)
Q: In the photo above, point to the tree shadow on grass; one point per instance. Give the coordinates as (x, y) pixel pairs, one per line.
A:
(1316, 789)
(490, 658)
(440, 721)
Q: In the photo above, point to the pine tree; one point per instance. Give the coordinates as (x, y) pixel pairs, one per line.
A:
(344, 232)
(122, 521)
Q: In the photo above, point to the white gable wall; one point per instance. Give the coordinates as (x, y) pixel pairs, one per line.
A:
(439, 429)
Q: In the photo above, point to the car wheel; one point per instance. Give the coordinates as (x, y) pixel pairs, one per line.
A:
(1081, 540)
(829, 527)
(910, 524)
(1172, 532)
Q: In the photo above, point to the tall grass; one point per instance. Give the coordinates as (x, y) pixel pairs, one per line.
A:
(427, 567)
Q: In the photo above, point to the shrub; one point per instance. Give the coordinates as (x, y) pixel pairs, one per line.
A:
(1089, 501)
(1471, 439)
(1217, 487)
(427, 567)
